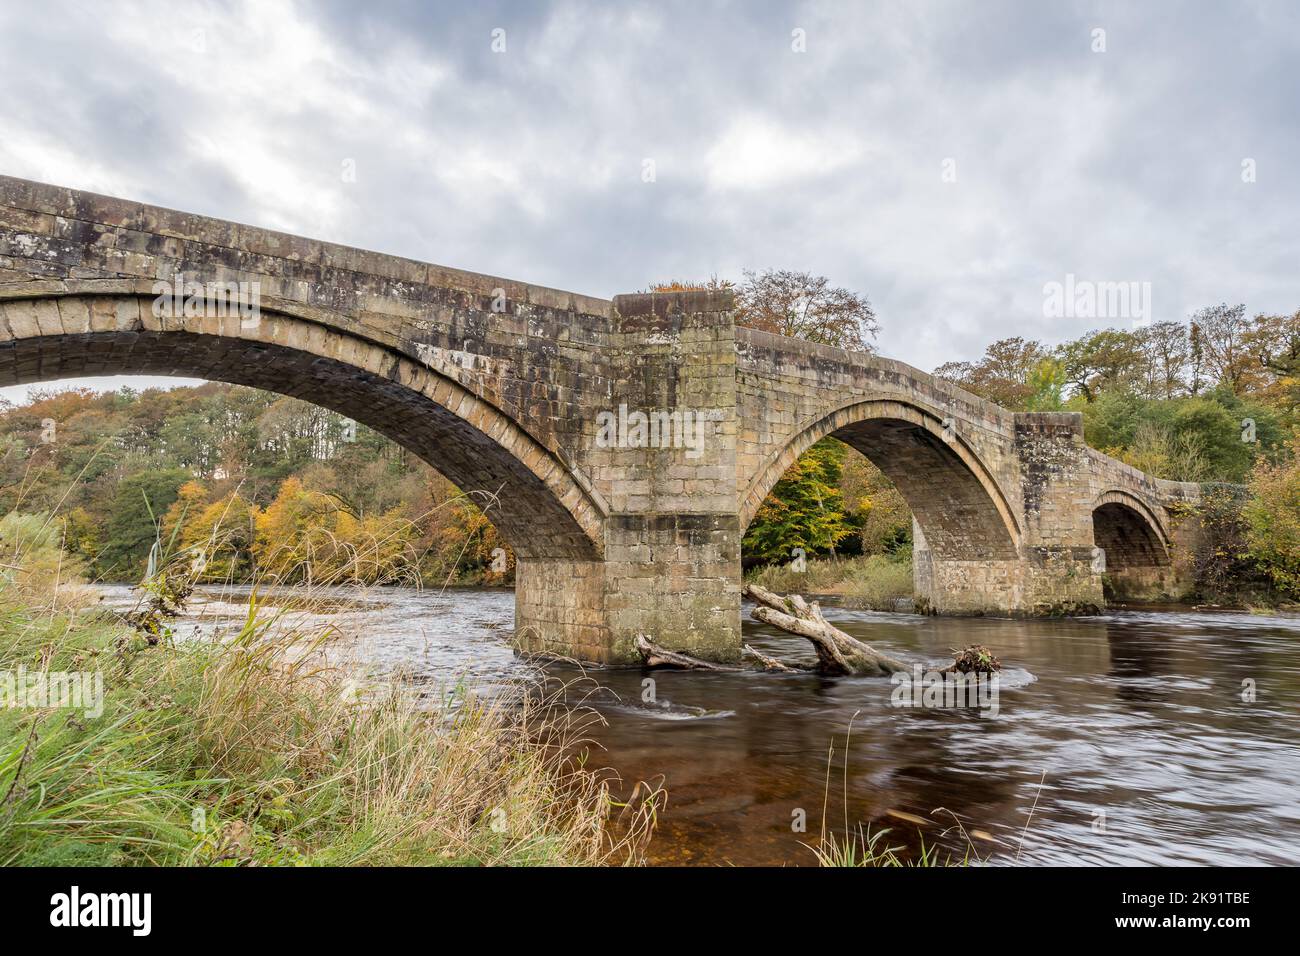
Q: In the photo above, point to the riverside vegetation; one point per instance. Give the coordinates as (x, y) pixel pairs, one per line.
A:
(253, 751)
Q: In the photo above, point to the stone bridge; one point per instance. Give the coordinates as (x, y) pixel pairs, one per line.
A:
(628, 443)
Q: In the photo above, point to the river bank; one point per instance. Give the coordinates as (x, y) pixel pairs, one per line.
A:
(884, 583)
(256, 749)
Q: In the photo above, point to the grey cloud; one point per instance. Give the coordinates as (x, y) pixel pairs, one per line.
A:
(1113, 166)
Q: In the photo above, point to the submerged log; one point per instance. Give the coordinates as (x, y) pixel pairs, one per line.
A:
(837, 652)
(772, 664)
(656, 656)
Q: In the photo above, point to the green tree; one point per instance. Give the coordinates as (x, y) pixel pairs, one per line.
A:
(133, 524)
(1217, 436)
(804, 510)
(1045, 386)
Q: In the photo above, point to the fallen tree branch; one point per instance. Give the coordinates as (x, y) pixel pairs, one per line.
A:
(656, 656)
(771, 663)
(837, 652)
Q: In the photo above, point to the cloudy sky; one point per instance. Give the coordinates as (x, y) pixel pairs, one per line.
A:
(948, 160)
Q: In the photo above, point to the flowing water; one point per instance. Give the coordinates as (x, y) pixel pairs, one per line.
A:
(1130, 738)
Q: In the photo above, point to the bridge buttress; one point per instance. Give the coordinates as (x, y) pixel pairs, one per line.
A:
(663, 446)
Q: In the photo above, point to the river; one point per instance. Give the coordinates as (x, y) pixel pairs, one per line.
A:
(1118, 739)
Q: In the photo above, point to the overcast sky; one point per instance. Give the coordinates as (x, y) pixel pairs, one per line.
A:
(820, 136)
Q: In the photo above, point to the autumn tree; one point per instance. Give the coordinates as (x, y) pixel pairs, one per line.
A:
(874, 506)
(805, 306)
(1001, 374)
(1274, 342)
(1272, 518)
(308, 535)
(220, 535)
(1223, 337)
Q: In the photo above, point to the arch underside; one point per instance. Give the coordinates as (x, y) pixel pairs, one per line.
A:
(960, 519)
(527, 509)
(957, 503)
(1128, 537)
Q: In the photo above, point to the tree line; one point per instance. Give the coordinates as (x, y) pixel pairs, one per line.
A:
(1203, 400)
(264, 486)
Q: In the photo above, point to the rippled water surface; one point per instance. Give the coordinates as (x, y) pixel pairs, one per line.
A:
(1126, 735)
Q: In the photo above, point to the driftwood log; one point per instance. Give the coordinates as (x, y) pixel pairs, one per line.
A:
(837, 652)
(656, 656)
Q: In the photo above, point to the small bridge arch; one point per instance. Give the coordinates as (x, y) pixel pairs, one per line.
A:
(954, 497)
(1132, 533)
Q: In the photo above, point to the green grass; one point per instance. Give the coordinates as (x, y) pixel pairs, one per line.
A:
(874, 582)
(867, 849)
(250, 751)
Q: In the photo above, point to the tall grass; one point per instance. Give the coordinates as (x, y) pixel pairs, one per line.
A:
(248, 752)
(858, 846)
(251, 750)
(878, 582)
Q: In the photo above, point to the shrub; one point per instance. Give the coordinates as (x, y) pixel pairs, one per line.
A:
(33, 562)
(1272, 518)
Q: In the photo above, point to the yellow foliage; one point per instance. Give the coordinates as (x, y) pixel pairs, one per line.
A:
(306, 535)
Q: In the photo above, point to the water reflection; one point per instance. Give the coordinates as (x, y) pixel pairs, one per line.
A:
(1133, 740)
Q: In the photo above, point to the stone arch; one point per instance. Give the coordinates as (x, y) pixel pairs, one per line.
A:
(542, 508)
(959, 506)
(1129, 531)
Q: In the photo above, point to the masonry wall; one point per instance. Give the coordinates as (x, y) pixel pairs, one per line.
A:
(541, 356)
(560, 609)
(672, 553)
